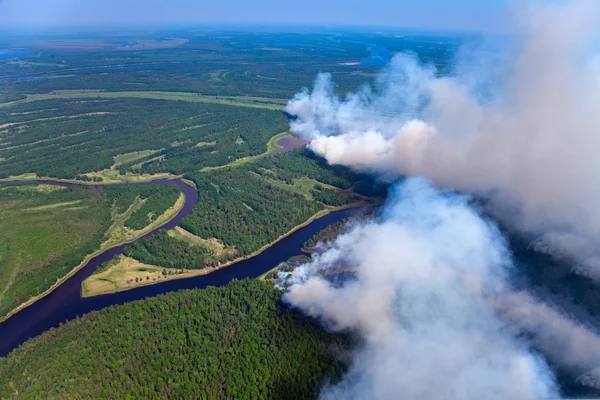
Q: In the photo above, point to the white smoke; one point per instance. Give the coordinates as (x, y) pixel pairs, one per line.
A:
(530, 146)
(430, 276)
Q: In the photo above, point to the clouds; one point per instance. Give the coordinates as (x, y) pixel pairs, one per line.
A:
(529, 146)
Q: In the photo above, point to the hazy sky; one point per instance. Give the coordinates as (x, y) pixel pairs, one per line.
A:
(487, 15)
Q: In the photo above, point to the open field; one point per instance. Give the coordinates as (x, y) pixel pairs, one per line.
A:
(240, 101)
(126, 273)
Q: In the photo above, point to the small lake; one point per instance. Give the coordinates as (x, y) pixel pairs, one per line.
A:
(289, 144)
(65, 302)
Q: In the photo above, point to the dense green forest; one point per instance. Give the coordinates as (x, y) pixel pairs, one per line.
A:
(303, 163)
(250, 206)
(242, 210)
(156, 200)
(235, 341)
(59, 139)
(46, 231)
(230, 62)
(163, 250)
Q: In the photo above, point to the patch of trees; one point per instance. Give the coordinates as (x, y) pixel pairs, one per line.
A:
(68, 138)
(300, 163)
(242, 210)
(163, 250)
(235, 341)
(332, 197)
(328, 234)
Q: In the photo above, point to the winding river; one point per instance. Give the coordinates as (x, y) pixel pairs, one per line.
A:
(65, 302)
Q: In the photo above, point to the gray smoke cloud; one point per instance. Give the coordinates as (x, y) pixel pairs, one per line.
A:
(431, 298)
(431, 279)
(530, 145)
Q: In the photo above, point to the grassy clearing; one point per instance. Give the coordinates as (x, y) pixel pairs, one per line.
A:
(241, 101)
(109, 177)
(129, 157)
(127, 273)
(272, 147)
(51, 206)
(302, 186)
(217, 249)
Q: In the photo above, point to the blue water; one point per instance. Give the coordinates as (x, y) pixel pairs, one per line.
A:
(196, 76)
(65, 302)
(12, 53)
(380, 56)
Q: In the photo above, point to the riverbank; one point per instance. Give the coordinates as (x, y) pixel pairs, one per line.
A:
(128, 273)
(90, 290)
(128, 237)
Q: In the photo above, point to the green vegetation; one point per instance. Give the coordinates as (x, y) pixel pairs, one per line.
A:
(241, 101)
(58, 139)
(155, 200)
(169, 252)
(300, 163)
(235, 341)
(245, 207)
(235, 207)
(272, 147)
(44, 233)
(47, 231)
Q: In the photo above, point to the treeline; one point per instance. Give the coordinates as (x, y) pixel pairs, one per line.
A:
(332, 197)
(156, 200)
(242, 210)
(330, 233)
(165, 251)
(235, 341)
(301, 163)
(68, 138)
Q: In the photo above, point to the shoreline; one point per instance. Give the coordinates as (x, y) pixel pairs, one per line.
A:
(172, 214)
(207, 271)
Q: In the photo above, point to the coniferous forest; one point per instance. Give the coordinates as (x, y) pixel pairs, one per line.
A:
(236, 341)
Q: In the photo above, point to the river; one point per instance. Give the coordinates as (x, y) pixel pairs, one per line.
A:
(65, 302)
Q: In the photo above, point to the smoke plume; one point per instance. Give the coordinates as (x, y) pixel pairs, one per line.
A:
(528, 143)
(431, 298)
(431, 276)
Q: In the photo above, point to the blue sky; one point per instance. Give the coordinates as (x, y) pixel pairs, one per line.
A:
(486, 15)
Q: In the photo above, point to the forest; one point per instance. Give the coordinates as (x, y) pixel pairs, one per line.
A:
(46, 231)
(236, 341)
(248, 207)
(58, 139)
